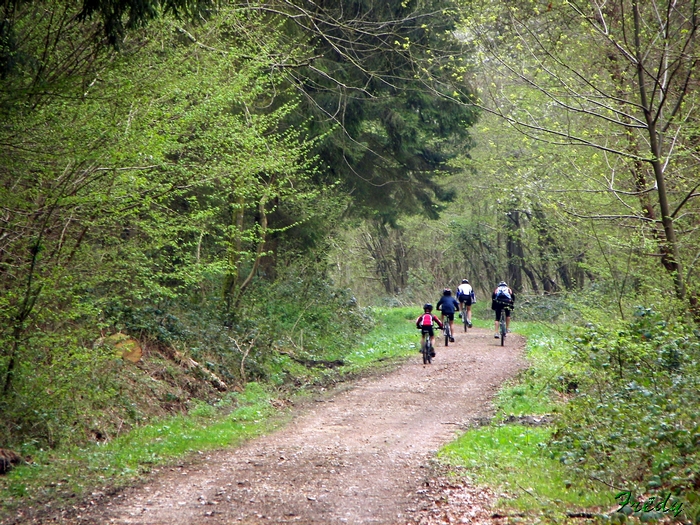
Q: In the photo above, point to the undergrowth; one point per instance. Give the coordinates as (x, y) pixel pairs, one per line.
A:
(635, 422)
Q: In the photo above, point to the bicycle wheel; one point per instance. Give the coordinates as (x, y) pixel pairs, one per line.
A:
(426, 349)
(447, 333)
(464, 320)
(503, 328)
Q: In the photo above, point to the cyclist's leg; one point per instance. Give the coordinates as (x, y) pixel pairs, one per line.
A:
(507, 319)
(431, 334)
(426, 336)
(497, 321)
(469, 314)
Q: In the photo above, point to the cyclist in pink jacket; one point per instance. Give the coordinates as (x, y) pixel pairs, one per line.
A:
(425, 324)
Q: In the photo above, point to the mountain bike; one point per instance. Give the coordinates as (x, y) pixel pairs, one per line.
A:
(448, 332)
(463, 313)
(502, 327)
(426, 348)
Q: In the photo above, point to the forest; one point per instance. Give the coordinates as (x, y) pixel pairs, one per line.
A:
(199, 195)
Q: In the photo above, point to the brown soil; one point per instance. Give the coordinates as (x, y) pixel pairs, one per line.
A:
(359, 456)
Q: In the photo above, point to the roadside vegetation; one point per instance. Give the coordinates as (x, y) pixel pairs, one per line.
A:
(604, 411)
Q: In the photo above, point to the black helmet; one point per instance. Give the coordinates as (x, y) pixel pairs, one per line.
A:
(447, 291)
(465, 281)
(428, 307)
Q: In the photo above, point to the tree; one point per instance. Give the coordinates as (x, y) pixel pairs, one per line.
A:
(637, 117)
(163, 168)
(375, 82)
(115, 18)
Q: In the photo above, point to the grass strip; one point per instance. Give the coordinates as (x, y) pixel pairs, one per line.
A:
(56, 477)
(514, 460)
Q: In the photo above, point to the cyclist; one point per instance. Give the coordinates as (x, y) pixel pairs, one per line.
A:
(502, 299)
(448, 306)
(466, 298)
(425, 324)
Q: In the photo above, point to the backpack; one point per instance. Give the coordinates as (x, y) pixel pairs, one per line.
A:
(503, 294)
(429, 320)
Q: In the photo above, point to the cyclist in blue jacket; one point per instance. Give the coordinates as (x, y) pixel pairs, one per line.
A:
(448, 305)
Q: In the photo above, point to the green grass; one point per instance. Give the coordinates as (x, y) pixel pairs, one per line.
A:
(513, 458)
(543, 386)
(395, 336)
(67, 475)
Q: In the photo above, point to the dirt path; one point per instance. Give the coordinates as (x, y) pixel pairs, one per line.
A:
(358, 457)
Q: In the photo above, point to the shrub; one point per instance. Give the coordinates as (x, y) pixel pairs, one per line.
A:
(636, 420)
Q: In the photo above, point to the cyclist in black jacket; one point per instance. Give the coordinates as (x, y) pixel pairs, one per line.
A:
(448, 305)
(502, 299)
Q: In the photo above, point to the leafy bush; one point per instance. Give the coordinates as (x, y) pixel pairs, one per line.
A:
(636, 420)
(298, 319)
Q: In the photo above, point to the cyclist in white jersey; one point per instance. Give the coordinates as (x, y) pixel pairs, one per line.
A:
(466, 297)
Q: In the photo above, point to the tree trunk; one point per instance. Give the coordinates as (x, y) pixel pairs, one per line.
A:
(388, 250)
(671, 258)
(514, 252)
(234, 256)
(258, 251)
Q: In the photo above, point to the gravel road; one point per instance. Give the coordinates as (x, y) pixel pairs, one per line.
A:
(359, 456)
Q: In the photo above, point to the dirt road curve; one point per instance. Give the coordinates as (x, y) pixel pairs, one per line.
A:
(358, 457)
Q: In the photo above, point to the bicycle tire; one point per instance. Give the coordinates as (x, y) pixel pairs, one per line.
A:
(447, 333)
(502, 326)
(465, 321)
(426, 349)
